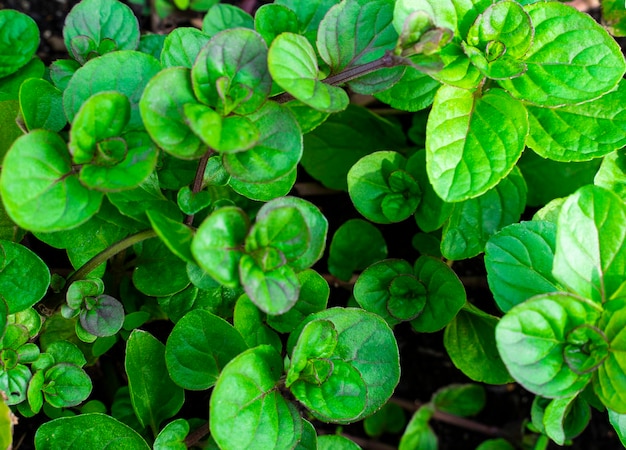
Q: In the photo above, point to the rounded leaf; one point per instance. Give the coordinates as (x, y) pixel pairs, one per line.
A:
(230, 73)
(66, 385)
(181, 47)
(41, 105)
(199, 347)
(104, 317)
(37, 185)
(247, 409)
(24, 277)
(293, 64)
(19, 39)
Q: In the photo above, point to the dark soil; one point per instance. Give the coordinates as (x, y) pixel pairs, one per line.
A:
(425, 364)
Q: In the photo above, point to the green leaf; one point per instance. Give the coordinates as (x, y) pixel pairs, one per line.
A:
(126, 72)
(199, 347)
(277, 151)
(95, 27)
(92, 430)
(335, 442)
(153, 260)
(154, 395)
(460, 399)
(24, 277)
(162, 110)
(366, 29)
(248, 320)
(614, 19)
(313, 297)
(175, 235)
(172, 436)
(61, 71)
(66, 385)
(442, 13)
(619, 424)
(579, 132)
(608, 382)
(547, 179)
(217, 244)
(365, 343)
(418, 433)
(14, 382)
(432, 212)
(445, 294)
(382, 189)
(590, 256)
(9, 110)
(102, 116)
(19, 39)
(191, 202)
(533, 339)
(228, 135)
(355, 245)
(222, 17)
(293, 64)
(612, 173)
(495, 444)
(181, 47)
(473, 221)
(390, 418)
(572, 58)
(316, 223)
(104, 318)
(247, 409)
(152, 44)
(335, 146)
(230, 73)
(566, 418)
(271, 19)
(273, 289)
(470, 341)
(413, 92)
(518, 260)
(41, 105)
(473, 142)
(37, 185)
(309, 14)
(265, 191)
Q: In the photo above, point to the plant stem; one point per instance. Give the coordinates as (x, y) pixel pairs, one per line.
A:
(197, 181)
(452, 419)
(196, 435)
(387, 60)
(48, 307)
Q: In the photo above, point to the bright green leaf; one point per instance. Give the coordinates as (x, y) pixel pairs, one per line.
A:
(19, 39)
(222, 17)
(41, 105)
(181, 47)
(172, 436)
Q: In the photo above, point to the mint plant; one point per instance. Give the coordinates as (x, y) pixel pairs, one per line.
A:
(169, 169)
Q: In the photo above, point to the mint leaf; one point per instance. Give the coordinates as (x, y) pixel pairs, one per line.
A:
(181, 47)
(19, 39)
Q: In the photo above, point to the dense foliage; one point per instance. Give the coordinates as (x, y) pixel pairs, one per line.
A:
(165, 164)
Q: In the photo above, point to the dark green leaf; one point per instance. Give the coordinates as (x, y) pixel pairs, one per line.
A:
(10, 85)
(271, 19)
(471, 344)
(247, 410)
(382, 189)
(495, 444)
(93, 430)
(413, 92)
(355, 32)
(24, 277)
(293, 64)
(566, 418)
(432, 212)
(230, 73)
(473, 221)
(9, 110)
(93, 25)
(126, 71)
(217, 244)
(154, 395)
(614, 17)
(571, 59)
(61, 71)
(265, 191)
(66, 385)
(460, 399)
(37, 185)
(590, 256)
(355, 245)
(248, 320)
(336, 145)
(175, 235)
(390, 418)
(445, 294)
(41, 105)
(199, 347)
(418, 433)
(276, 152)
(153, 260)
(473, 142)
(19, 39)
(152, 44)
(518, 260)
(309, 14)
